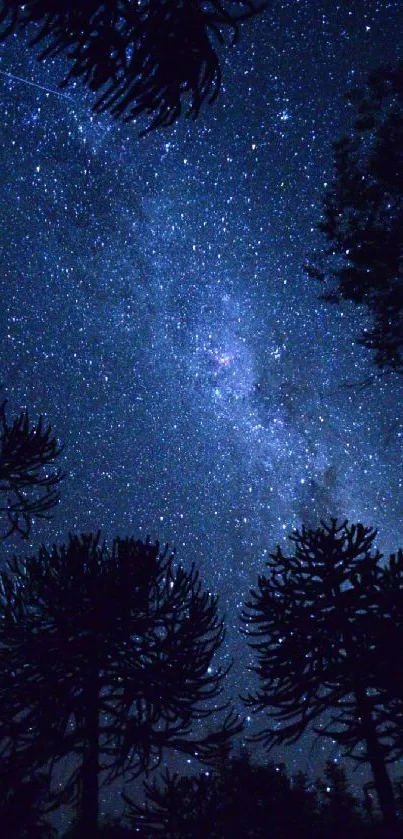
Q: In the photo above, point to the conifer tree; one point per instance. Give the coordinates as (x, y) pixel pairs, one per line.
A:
(315, 624)
(362, 220)
(106, 660)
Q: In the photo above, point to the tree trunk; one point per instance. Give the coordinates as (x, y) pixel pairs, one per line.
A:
(90, 767)
(383, 784)
(376, 758)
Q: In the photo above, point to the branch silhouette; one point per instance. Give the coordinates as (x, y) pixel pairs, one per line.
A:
(106, 658)
(139, 57)
(319, 623)
(362, 219)
(29, 480)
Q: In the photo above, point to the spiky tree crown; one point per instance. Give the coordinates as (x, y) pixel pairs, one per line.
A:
(310, 622)
(127, 626)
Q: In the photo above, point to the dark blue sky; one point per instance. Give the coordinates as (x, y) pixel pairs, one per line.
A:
(155, 309)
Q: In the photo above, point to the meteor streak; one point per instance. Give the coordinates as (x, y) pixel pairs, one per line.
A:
(35, 84)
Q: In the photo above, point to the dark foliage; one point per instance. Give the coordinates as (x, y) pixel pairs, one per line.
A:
(242, 799)
(254, 802)
(109, 829)
(386, 631)
(22, 806)
(316, 623)
(106, 658)
(28, 477)
(184, 806)
(363, 217)
(339, 807)
(140, 57)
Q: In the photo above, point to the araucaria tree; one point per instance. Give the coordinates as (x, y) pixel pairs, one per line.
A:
(362, 218)
(316, 623)
(106, 659)
(29, 478)
(148, 57)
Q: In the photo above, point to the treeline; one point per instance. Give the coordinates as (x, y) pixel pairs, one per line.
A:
(109, 658)
(240, 798)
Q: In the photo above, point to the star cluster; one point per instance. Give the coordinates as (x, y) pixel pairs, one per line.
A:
(155, 307)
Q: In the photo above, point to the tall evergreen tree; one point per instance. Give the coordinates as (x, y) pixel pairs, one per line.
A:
(362, 218)
(106, 659)
(311, 624)
(139, 57)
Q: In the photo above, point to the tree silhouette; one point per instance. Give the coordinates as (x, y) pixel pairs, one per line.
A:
(311, 623)
(28, 477)
(240, 799)
(363, 217)
(386, 630)
(175, 806)
(140, 57)
(106, 657)
(339, 807)
(109, 828)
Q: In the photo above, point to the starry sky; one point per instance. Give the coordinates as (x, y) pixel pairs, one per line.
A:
(155, 308)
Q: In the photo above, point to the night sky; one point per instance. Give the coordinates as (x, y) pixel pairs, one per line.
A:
(155, 308)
